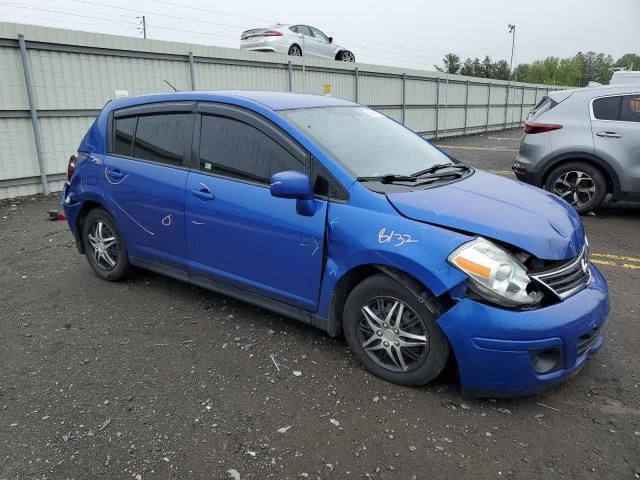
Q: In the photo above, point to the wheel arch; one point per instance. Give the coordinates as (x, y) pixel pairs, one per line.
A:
(613, 182)
(297, 45)
(87, 206)
(348, 281)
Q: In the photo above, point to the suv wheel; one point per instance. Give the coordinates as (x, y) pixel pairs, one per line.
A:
(103, 246)
(580, 184)
(394, 336)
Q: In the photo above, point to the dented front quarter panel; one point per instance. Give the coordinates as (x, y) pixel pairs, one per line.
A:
(378, 235)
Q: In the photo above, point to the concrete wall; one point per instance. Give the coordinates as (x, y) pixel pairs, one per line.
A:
(75, 73)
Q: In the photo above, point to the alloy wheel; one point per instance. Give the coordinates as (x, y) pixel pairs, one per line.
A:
(104, 245)
(347, 57)
(295, 51)
(575, 187)
(392, 334)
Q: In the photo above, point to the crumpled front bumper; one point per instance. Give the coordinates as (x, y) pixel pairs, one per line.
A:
(495, 347)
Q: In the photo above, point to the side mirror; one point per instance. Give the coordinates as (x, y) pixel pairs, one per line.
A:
(330, 39)
(297, 186)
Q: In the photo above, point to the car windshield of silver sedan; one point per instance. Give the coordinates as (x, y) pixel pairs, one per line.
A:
(372, 146)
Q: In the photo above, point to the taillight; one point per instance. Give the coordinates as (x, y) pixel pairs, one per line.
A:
(272, 33)
(540, 127)
(71, 166)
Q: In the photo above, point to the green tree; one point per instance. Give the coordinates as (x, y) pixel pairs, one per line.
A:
(487, 67)
(630, 61)
(501, 70)
(477, 67)
(451, 63)
(467, 68)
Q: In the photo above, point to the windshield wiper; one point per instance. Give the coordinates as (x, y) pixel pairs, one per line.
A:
(440, 166)
(388, 178)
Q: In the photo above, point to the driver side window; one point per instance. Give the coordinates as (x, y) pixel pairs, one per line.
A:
(235, 149)
(319, 35)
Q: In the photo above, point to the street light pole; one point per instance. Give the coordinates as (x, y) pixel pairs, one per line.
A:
(512, 31)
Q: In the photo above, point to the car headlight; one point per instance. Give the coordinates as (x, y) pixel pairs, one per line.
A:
(495, 273)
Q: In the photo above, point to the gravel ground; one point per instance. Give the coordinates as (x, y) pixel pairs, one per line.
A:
(152, 378)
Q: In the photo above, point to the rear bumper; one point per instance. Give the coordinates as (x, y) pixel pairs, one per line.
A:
(495, 348)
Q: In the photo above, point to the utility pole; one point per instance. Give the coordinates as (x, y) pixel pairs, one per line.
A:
(143, 26)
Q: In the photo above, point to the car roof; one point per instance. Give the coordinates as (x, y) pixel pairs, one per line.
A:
(271, 100)
(603, 90)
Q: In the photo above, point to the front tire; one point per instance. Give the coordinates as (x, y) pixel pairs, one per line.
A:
(579, 184)
(104, 247)
(393, 334)
(346, 56)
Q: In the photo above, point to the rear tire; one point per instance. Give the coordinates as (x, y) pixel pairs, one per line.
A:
(104, 247)
(580, 184)
(393, 334)
(295, 50)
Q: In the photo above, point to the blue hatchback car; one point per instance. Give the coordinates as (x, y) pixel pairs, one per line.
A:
(331, 213)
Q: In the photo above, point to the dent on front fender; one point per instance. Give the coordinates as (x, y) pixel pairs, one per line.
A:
(357, 237)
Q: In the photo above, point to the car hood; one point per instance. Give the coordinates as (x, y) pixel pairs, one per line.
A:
(496, 207)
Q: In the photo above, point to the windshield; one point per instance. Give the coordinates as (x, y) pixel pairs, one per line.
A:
(366, 142)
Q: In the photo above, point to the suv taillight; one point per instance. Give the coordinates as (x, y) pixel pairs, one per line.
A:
(71, 166)
(540, 127)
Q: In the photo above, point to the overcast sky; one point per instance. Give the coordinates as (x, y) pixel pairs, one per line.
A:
(404, 33)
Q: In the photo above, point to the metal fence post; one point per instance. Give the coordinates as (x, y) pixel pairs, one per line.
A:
(506, 108)
(355, 76)
(437, 105)
(404, 98)
(290, 76)
(466, 110)
(192, 71)
(34, 113)
(486, 127)
(521, 105)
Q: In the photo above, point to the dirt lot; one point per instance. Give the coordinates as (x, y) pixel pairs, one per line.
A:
(152, 378)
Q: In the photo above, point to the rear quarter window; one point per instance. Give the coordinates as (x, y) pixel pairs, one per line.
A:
(630, 109)
(607, 108)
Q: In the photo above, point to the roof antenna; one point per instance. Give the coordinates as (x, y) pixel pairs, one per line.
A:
(277, 22)
(174, 88)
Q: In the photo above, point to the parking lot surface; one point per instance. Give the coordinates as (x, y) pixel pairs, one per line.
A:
(153, 378)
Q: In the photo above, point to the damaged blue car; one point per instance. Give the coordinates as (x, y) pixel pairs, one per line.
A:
(331, 213)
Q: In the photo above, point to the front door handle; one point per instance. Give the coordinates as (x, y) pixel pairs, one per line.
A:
(609, 134)
(115, 174)
(204, 193)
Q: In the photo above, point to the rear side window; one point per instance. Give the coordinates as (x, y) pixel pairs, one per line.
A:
(630, 111)
(607, 108)
(163, 138)
(235, 149)
(303, 29)
(124, 130)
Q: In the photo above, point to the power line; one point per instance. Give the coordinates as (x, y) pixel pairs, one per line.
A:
(60, 12)
(81, 22)
(209, 11)
(166, 15)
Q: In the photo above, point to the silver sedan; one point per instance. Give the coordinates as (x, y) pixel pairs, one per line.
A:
(296, 40)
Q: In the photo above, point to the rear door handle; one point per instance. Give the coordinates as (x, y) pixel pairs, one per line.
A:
(609, 134)
(204, 193)
(117, 174)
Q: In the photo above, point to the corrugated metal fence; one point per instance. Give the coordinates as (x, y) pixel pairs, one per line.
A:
(73, 74)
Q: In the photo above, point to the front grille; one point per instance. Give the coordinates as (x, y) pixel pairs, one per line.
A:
(586, 341)
(568, 278)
